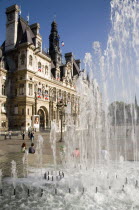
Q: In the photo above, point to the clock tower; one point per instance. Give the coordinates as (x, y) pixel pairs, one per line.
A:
(11, 27)
(54, 49)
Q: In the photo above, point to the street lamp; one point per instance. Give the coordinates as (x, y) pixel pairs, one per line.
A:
(60, 105)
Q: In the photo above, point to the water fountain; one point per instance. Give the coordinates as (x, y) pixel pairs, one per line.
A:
(103, 175)
(14, 174)
(25, 164)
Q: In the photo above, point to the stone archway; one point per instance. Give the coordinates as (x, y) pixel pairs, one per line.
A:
(44, 122)
(42, 118)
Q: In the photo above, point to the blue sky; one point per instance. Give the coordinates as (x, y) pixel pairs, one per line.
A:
(80, 22)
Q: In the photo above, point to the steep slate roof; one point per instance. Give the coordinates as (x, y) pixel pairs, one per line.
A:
(25, 33)
(76, 69)
(0, 53)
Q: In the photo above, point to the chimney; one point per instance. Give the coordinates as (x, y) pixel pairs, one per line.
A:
(35, 28)
(38, 39)
(11, 26)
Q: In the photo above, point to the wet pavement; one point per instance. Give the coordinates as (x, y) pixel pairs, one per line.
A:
(10, 149)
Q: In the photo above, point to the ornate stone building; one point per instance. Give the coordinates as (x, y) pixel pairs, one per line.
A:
(32, 81)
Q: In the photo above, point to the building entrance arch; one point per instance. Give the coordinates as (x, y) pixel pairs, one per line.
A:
(42, 120)
(43, 113)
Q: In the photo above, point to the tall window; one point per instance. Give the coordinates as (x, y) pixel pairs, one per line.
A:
(21, 89)
(68, 96)
(54, 94)
(16, 109)
(16, 92)
(39, 66)
(46, 70)
(39, 92)
(22, 111)
(3, 108)
(3, 90)
(30, 89)
(46, 95)
(59, 95)
(65, 97)
(22, 58)
(30, 60)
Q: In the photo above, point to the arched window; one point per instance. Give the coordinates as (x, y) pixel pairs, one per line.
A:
(30, 60)
(68, 97)
(39, 66)
(22, 58)
(46, 70)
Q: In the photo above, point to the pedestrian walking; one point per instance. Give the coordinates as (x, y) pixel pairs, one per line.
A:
(32, 136)
(10, 134)
(23, 135)
(29, 134)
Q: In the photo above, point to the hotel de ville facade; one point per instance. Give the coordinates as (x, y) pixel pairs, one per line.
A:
(32, 81)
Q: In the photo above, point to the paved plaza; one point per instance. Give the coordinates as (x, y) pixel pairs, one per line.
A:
(10, 149)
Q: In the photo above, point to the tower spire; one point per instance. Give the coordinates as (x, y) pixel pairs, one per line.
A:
(54, 49)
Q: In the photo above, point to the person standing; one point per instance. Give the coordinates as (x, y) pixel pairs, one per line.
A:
(32, 136)
(29, 134)
(76, 153)
(23, 135)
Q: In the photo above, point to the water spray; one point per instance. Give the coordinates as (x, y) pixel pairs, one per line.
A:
(41, 192)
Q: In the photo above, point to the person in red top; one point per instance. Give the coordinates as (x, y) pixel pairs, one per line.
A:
(76, 153)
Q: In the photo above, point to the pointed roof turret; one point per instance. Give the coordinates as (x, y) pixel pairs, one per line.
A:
(54, 49)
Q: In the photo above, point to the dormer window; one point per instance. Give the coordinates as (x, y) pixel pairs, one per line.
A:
(58, 76)
(39, 46)
(22, 58)
(30, 60)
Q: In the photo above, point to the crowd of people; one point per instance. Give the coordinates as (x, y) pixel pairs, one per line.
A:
(8, 134)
